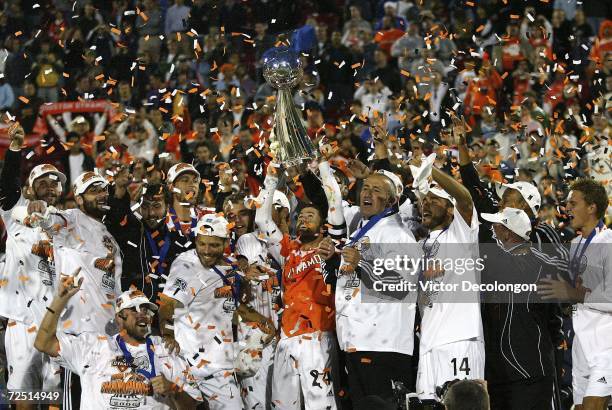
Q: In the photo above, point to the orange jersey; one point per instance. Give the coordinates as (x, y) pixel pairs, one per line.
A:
(308, 303)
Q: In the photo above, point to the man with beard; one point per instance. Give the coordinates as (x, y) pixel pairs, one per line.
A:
(591, 270)
(149, 245)
(367, 320)
(29, 271)
(183, 182)
(203, 291)
(451, 340)
(302, 360)
(129, 369)
(256, 352)
(80, 239)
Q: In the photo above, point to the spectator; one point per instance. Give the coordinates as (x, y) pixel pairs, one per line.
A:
(76, 161)
(7, 97)
(467, 395)
(177, 17)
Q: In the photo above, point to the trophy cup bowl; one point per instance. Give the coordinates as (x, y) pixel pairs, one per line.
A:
(282, 69)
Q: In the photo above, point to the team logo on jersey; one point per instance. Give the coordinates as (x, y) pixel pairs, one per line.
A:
(46, 269)
(179, 284)
(229, 305)
(107, 264)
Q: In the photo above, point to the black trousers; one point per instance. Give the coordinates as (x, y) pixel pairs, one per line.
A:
(371, 374)
(528, 394)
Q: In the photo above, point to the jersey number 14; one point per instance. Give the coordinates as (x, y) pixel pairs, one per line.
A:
(463, 366)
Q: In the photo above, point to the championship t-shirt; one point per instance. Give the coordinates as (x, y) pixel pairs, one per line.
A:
(28, 280)
(111, 381)
(308, 304)
(203, 325)
(82, 241)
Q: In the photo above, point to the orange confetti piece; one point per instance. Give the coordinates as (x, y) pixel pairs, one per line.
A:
(24, 99)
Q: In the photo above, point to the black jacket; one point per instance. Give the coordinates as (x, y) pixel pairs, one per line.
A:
(10, 180)
(518, 342)
(138, 257)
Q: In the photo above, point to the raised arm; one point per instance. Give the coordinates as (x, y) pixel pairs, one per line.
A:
(335, 216)
(482, 198)
(263, 215)
(46, 338)
(461, 194)
(10, 190)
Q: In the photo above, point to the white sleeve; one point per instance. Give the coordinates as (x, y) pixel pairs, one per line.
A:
(263, 215)
(333, 194)
(74, 351)
(463, 232)
(121, 131)
(100, 124)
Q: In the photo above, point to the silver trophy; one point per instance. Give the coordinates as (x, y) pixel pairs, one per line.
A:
(282, 69)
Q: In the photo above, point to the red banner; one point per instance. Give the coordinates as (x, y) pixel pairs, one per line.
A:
(40, 127)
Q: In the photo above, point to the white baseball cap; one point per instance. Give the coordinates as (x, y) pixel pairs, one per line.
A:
(44, 169)
(397, 181)
(180, 168)
(281, 199)
(528, 191)
(213, 225)
(87, 179)
(133, 298)
(514, 219)
(439, 192)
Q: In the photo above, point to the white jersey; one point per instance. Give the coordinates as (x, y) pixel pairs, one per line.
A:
(109, 381)
(592, 319)
(203, 326)
(458, 317)
(28, 279)
(266, 290)
(374, 326)
(85, 242)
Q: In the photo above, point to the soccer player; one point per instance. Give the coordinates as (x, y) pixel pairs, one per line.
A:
(80, 239)
(256, 349)
(130, 369)
(451, 342)
(28, 277)
(201, 294)
(183, 182)
(303, 354)
(591, 268)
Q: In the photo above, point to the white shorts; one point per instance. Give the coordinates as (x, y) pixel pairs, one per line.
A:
(257, 389)
(302, 367)
(28, 368)
(590, 380)
(458, 360)
(221, 390)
